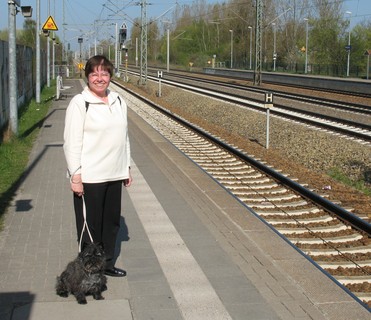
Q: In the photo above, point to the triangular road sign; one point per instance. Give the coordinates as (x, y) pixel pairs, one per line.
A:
(50, 24)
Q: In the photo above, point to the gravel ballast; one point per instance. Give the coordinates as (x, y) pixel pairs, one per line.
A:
(303, 152)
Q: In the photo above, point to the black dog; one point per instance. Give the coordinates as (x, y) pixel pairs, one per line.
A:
(84, 275)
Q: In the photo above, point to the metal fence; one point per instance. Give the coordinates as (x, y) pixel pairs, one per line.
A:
(330, 70)
(26, 77)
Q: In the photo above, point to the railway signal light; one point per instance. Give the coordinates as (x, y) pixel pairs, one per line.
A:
(123, 33)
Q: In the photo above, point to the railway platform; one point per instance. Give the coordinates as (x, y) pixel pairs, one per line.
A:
(191, 250)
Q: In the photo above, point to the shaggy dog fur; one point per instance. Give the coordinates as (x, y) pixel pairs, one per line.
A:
(84, 275)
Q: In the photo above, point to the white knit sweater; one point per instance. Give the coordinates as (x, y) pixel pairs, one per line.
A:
(96, 141)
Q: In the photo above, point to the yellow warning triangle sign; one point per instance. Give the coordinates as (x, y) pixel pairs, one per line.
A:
(50, 24)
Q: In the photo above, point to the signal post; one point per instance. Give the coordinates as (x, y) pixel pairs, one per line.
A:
(268, 104)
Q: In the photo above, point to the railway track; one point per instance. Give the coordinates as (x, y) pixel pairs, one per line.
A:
(306, 98)
(293, 107)
(316, 84)
(333, 237)
(333, 85)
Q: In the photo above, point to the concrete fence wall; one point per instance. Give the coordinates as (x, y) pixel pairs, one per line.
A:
(26, 77)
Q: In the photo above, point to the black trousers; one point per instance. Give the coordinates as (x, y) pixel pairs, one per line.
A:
(103, 211)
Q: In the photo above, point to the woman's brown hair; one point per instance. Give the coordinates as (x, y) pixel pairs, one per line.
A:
(97, 61)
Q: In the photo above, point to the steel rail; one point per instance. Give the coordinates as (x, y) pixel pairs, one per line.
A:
(352, 107)
(292, 109)
(242, 100)
(357, 108)
(329, 206)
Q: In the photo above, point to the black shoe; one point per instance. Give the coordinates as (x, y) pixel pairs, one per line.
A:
(115, 272)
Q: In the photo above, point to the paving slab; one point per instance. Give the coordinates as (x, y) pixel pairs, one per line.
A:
(191, 249)
(93, 310)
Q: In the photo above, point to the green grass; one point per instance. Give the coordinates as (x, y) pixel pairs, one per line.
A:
(358, 185)
(14, 154)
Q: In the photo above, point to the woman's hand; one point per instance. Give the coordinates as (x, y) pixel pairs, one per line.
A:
(76, 185)
(127, 182)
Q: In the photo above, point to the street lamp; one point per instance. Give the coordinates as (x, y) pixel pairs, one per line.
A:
(167, 45)
(250, 27)
(53, 56)
(38, 54)
(116, 49)
(136, 51)
(48, 52)
(12, 53)
(306, 45)
(168, 49)
(80, 41)
(348, 46)
(274, 46)
(231, 31)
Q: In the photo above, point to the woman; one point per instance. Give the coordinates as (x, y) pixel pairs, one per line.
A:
(97, 150)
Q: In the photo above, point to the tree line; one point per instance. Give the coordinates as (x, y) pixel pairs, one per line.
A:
(294, 32)
(202, 30)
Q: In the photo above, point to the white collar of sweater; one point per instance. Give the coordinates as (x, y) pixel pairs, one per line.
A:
(91, 98)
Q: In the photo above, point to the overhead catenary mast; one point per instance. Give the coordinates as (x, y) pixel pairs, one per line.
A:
(143, 43)
(258, 42)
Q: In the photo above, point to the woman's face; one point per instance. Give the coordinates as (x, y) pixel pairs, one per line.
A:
(99, 81)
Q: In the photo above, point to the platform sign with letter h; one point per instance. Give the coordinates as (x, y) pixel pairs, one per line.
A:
(268, 103)
(159, 76)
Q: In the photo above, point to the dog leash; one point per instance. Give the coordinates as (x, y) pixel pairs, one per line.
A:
(85, 226)
(84, 212)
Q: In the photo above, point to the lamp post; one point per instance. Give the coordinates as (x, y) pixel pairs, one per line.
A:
(116, 49)
(168, 49)
(231, 31)
(274, 46)
(306, 45)
(38, 54)
(53, 57)
(48, 52)
(250, 58)
(12, 52)
(348, 46)
(167, 44)
(80, 40)
(13, 107)
(136, 52)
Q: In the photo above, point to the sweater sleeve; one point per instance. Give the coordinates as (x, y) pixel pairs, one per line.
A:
(128, 149)
(73, 134)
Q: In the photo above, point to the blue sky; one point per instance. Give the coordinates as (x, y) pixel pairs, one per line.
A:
(79, 15)
(360, 9)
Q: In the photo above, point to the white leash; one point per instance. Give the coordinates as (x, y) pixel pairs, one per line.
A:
(85, 224)
(84, 213)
